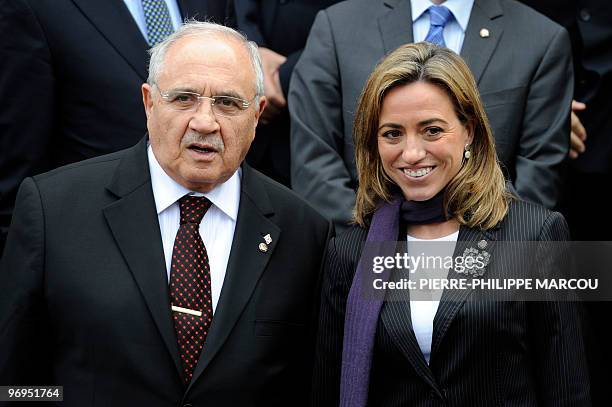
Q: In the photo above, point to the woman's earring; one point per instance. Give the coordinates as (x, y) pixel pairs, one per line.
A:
(466, 152)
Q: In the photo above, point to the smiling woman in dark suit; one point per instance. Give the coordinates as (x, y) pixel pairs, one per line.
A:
(428, 171)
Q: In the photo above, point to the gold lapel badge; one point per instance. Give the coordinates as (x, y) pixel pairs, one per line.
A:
(263, 247)
(484, 33)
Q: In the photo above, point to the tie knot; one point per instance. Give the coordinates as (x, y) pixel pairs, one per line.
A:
(193, 208)
(439, 15)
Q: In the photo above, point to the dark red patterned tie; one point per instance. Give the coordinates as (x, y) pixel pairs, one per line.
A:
(190, 293)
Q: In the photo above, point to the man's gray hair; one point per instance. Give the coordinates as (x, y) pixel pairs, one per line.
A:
(204, 29)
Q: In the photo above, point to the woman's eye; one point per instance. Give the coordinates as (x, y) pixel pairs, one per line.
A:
(391, 134)
(433, 131)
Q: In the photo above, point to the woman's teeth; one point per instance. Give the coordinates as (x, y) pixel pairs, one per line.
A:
(418, 173)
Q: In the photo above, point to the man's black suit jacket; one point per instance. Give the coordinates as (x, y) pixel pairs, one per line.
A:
(483, 353)
(70, 76)
(85, 300)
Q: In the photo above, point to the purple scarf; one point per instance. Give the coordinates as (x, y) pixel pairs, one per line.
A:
(362, 312)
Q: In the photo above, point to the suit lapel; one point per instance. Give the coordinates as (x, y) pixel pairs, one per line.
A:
(115, 23)
(245, 265)
(396, 319)
(134, 225)
(477, 46)
(452, 300)
(395, 24)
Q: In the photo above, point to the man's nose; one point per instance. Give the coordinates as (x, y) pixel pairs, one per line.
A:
(203, 119)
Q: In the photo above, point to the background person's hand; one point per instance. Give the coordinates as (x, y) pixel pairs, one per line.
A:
(271, 62)
(578, 133)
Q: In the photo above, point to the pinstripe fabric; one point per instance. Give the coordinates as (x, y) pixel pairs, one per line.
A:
(484, 353)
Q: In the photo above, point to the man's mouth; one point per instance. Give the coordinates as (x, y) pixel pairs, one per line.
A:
(200, 148)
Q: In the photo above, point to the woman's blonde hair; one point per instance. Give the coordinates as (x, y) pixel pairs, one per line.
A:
(477, 195)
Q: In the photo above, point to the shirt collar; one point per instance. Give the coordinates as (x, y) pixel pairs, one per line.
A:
(166, 191)
(461, 10)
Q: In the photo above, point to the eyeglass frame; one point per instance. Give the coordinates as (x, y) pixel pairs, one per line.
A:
(213, 99)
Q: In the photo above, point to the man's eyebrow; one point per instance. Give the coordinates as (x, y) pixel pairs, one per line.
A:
(183, 89)
(229, 92)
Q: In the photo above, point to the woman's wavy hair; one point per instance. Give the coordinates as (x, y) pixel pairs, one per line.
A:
(477, 195)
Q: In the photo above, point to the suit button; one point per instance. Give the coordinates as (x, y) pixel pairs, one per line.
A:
(585, 15)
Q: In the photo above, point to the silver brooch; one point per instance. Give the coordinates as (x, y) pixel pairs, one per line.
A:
(474, 261)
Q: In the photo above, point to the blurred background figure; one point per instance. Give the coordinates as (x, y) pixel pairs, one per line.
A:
(589, 23)
(70, 77)
(521, 61)
(280, 28)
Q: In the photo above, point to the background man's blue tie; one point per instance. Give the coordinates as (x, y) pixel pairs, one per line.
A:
(157, 18)
(438, 17)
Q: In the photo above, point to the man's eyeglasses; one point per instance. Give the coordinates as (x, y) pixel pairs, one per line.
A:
(190, 101)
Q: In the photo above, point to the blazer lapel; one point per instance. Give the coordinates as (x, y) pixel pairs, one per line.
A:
(396, 319)
(478, 45)
(115, 23)
(246, 263)
(395, 24)
(452, 300)
(134, 225)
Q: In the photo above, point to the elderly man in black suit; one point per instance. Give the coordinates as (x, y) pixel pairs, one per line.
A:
(168, 273)
(69, 79)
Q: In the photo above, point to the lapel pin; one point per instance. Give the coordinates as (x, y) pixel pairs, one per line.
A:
(482, 244)
(263, 247)
(484, 33)
(268, 238)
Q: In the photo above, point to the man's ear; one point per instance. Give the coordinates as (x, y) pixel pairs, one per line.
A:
(147, 98)
(260, 108)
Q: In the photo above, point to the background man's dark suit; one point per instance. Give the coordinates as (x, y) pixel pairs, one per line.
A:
(589, 23)
(85, 287)
(69, 83)
(483, 353)
(523, 71)
(283, 27)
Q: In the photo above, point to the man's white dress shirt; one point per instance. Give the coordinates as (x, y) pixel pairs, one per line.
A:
(217, 226)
